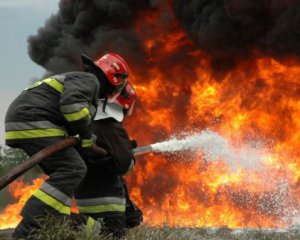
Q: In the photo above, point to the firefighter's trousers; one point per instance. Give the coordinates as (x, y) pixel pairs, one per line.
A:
(102, 196)
(65, 169)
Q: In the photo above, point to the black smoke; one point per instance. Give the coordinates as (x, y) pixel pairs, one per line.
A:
(92, 27)
(232, 30)
(228, 30)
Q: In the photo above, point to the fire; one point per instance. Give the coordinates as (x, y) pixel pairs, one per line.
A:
(255, 103)
(20, 191)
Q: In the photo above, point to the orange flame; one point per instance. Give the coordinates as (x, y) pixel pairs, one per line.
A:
(256, 102)
(20, 191)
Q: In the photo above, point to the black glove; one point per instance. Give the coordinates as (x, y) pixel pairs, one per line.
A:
(92, 157)
(88, 155)
(133, 143)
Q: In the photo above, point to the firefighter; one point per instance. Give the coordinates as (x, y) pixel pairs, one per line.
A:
(103, 193)
(49, 111)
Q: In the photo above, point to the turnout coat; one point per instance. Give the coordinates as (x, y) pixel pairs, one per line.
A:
(58, 106)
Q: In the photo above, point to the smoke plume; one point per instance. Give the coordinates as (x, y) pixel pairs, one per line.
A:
(228, 30)
(231, 30)
(91, 27)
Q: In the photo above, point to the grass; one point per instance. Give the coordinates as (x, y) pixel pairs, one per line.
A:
(62, 230)
(224, 233)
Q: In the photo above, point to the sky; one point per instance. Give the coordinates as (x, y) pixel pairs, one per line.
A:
(18, 20)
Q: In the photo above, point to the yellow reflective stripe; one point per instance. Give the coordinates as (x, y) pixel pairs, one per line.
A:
(35, 133)
(102, 208)
(58, 86)
(36, 84)
(52, 202)
(58, 195)
(86, 142)
(29, 125)
(90, 224)
(75, 107)
(77, 115)
(101, 201)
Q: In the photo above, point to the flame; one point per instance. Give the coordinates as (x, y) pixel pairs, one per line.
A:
(255, 102)
(21, 192)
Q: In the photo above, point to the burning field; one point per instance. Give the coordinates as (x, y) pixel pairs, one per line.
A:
(228, 66)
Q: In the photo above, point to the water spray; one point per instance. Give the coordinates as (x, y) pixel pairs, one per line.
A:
(212, 146)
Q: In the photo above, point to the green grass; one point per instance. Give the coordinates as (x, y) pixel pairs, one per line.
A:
(169, 233)
(54, 230)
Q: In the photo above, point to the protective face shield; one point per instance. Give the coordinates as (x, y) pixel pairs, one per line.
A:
(120, 107)
(127, 99)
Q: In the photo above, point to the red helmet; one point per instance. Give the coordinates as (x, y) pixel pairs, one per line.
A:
(114, 67)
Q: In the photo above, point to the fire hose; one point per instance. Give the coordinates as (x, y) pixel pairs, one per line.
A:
(46, 152)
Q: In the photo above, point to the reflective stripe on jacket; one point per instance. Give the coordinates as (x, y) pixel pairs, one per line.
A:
(34, 129)
(61, 105)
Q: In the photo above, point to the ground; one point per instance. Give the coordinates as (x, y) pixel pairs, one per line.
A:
(144, 232)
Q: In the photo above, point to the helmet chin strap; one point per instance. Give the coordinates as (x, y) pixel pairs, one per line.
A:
(104, 104)
(108, 91)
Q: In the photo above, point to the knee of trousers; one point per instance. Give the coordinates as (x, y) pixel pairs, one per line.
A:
(74, 172)
(79, 171)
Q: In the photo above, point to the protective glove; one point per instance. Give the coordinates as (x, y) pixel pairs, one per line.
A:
(87, 143)
(93, 153)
